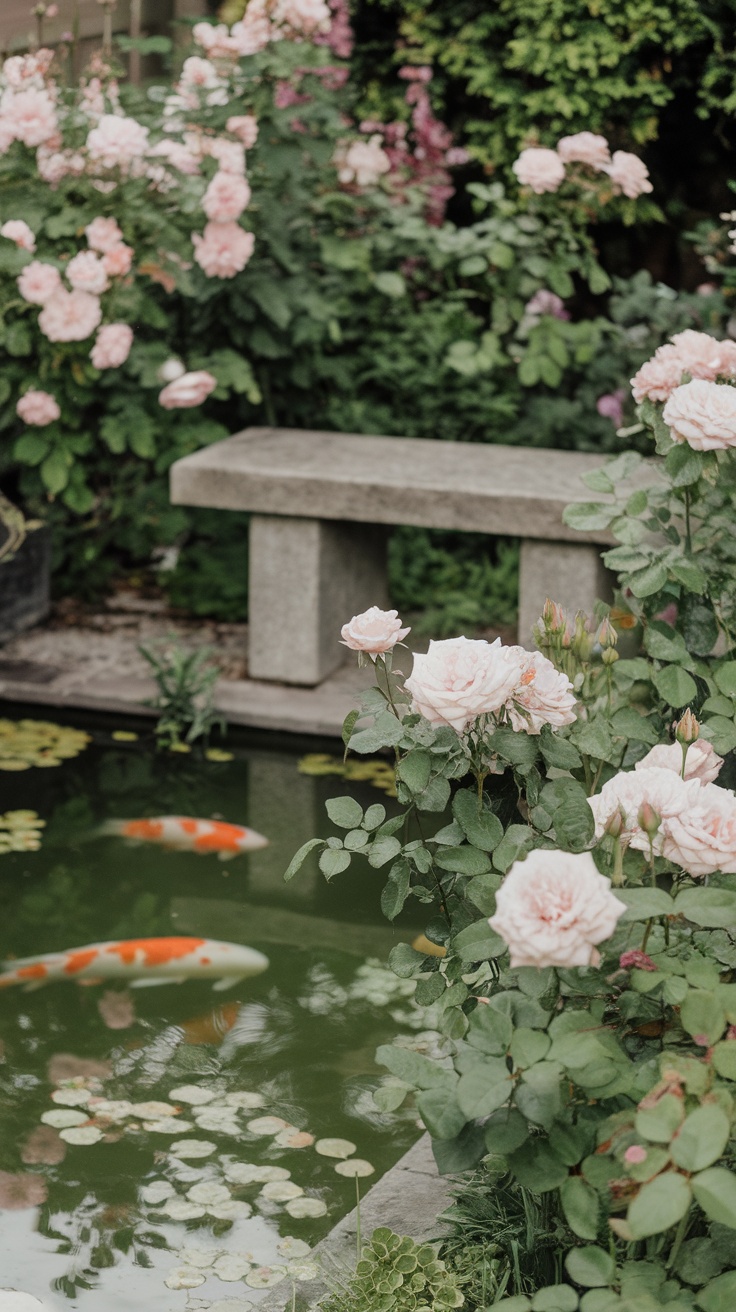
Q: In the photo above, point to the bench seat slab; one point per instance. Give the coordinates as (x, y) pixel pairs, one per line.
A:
(307, 577)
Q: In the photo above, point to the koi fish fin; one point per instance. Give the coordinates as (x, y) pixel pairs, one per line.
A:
(153, 983)
(107, 828)
(228, 982)
(32, 985)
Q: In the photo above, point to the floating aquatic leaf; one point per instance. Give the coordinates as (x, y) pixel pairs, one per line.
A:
(231, 1267)
(117, 1009)
(110, 1109)
(170, 1125)
(301, 1207)
(24, 743)
(376, 772)
(199, 1257)
(267, 1125)
(293, 1138)
(180, 1209)
(303, 1270)
(19, 831)
(217, 1118)
(71, 1097)
(21, 1190)
(194, 1094)
(184, 1277)
(43, 1147)
(207, 1191)
(280, 1191)
(356, 1166)
(217, 754)
(265, 1277)
(81, 1134)
(179, 747)
(246, 1101)
(192, 1148)
(334, 1147)
(152, 1111)
(233, 1210)
(156, 1191)
(124, 736)
(293, 1248)
(249, 1173)
(64, 1117)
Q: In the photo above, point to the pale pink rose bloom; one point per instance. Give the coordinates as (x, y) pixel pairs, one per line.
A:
(31, 113)
(103, 234)
(178, 154)
(629, 174)
(303, 16)
(223, 250)
(362, 162)
(38, 282)
(187, 390)
(226, 197)
(53, 165)
(230, 155)
(542, 695)
(702, 836)
(584, 148)
(171, 369)
(657, 378)
(216, 40)
(117, 141)
(17, 230)
(70, 316)
(255, 31)
(611, 406)
(540, 169)
(703, 414)
(245, 127)
(198, 72)
(38, 408)
(661, 789)
(704, 356)
(20, 1191)
(374, 632)
(546, 302)
(553, 908)
(112, 346)
(86, 273)
(118, 261)
(702, 763)
(459, 679)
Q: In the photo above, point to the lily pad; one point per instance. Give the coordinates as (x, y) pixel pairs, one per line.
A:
(152, 1111)
(246, 1101)
(231, 1267)
(64, 1118)
(267, 1125)
(184, 1277)
(302, 1207)
(156, 1191)
(280, 1191)
(303, 1270)
(265, 1277)
(232, 1210)
(71, 1097)
(171, 1125)
(180, 1209)
(81, 1134)
(193, 1148)
(357, 1166)
(293, 1138)
(293, 1248)
(250, 1173)
(199, 1257)
(194, 1094)
(335, 1147)
(207, 1191)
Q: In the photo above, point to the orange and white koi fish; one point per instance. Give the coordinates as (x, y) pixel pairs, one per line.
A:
(184, 834)
(141, 961)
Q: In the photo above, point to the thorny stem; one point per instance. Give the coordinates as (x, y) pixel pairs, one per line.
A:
(688, 535)
(437, 880)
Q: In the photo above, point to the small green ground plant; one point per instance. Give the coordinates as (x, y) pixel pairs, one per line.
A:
(186, 684)
(395, 1274)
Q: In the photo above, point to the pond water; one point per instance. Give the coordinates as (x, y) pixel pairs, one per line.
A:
(102, 1203)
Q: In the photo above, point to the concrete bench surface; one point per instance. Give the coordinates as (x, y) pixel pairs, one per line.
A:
(319, 505)
(470, 487)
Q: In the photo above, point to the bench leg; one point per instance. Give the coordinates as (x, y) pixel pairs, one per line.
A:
(572, 574)
(308, 577)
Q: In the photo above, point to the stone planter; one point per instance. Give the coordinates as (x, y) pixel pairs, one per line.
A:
(24, 584)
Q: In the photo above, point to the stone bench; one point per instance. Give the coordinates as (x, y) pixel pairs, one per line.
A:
(320, 503)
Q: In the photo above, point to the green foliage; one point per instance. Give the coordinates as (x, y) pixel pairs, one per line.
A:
(395, 1274)
(186, 682)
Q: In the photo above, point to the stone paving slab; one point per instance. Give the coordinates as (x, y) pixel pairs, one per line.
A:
(407, 1199)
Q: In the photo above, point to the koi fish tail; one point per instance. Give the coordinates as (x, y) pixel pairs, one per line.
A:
(109, 828)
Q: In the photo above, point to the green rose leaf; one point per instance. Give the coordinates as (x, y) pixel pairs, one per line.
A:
(713, 908)
(478, 942)
(414, 770)
(659, 1123)
(581, 1207)
(439, 1110)
(481, 827)
(416, 1070)
(590, 1266)
(555, 1298)
(463, 860)
(701, 1139)
(404, 961)
(483, 1089)
(344, 812)
(719, 1295)
(461, 1154)
(298, 859)
(537, 1167)
(644, 903)
(386, 731)
(715, 1191)
(658, 1205)
(701, 1014)
(383, 850)
(675, 685)
(333, 861)
(505, 1131)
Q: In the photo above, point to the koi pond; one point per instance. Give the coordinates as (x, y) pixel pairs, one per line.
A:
(180, 1147)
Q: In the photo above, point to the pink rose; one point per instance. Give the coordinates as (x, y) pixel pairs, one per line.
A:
(374, 632)
(611, 406)
(31, 113)
(118, 260)
(215, 39)
(662, 790)
(303, 16)
(546, 302)
(629, 174)
(17, 230)
(86, 273)
(701, 837)
(254, 32)
(112, 346)
(702, 763)
(703, 414)
(584, 148)
(230, 155)
(362, 162)
(553, 908)
(245, 127)
(103, 234)
(540, 169)
(187, 390)
(38, 282)
(460, 679)
(226, 197)
(542, 694)
(198, 72)
(223, 250)
(117, 141)
(53, 165)
(38, 408)
(658, 377)
(70, 316)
